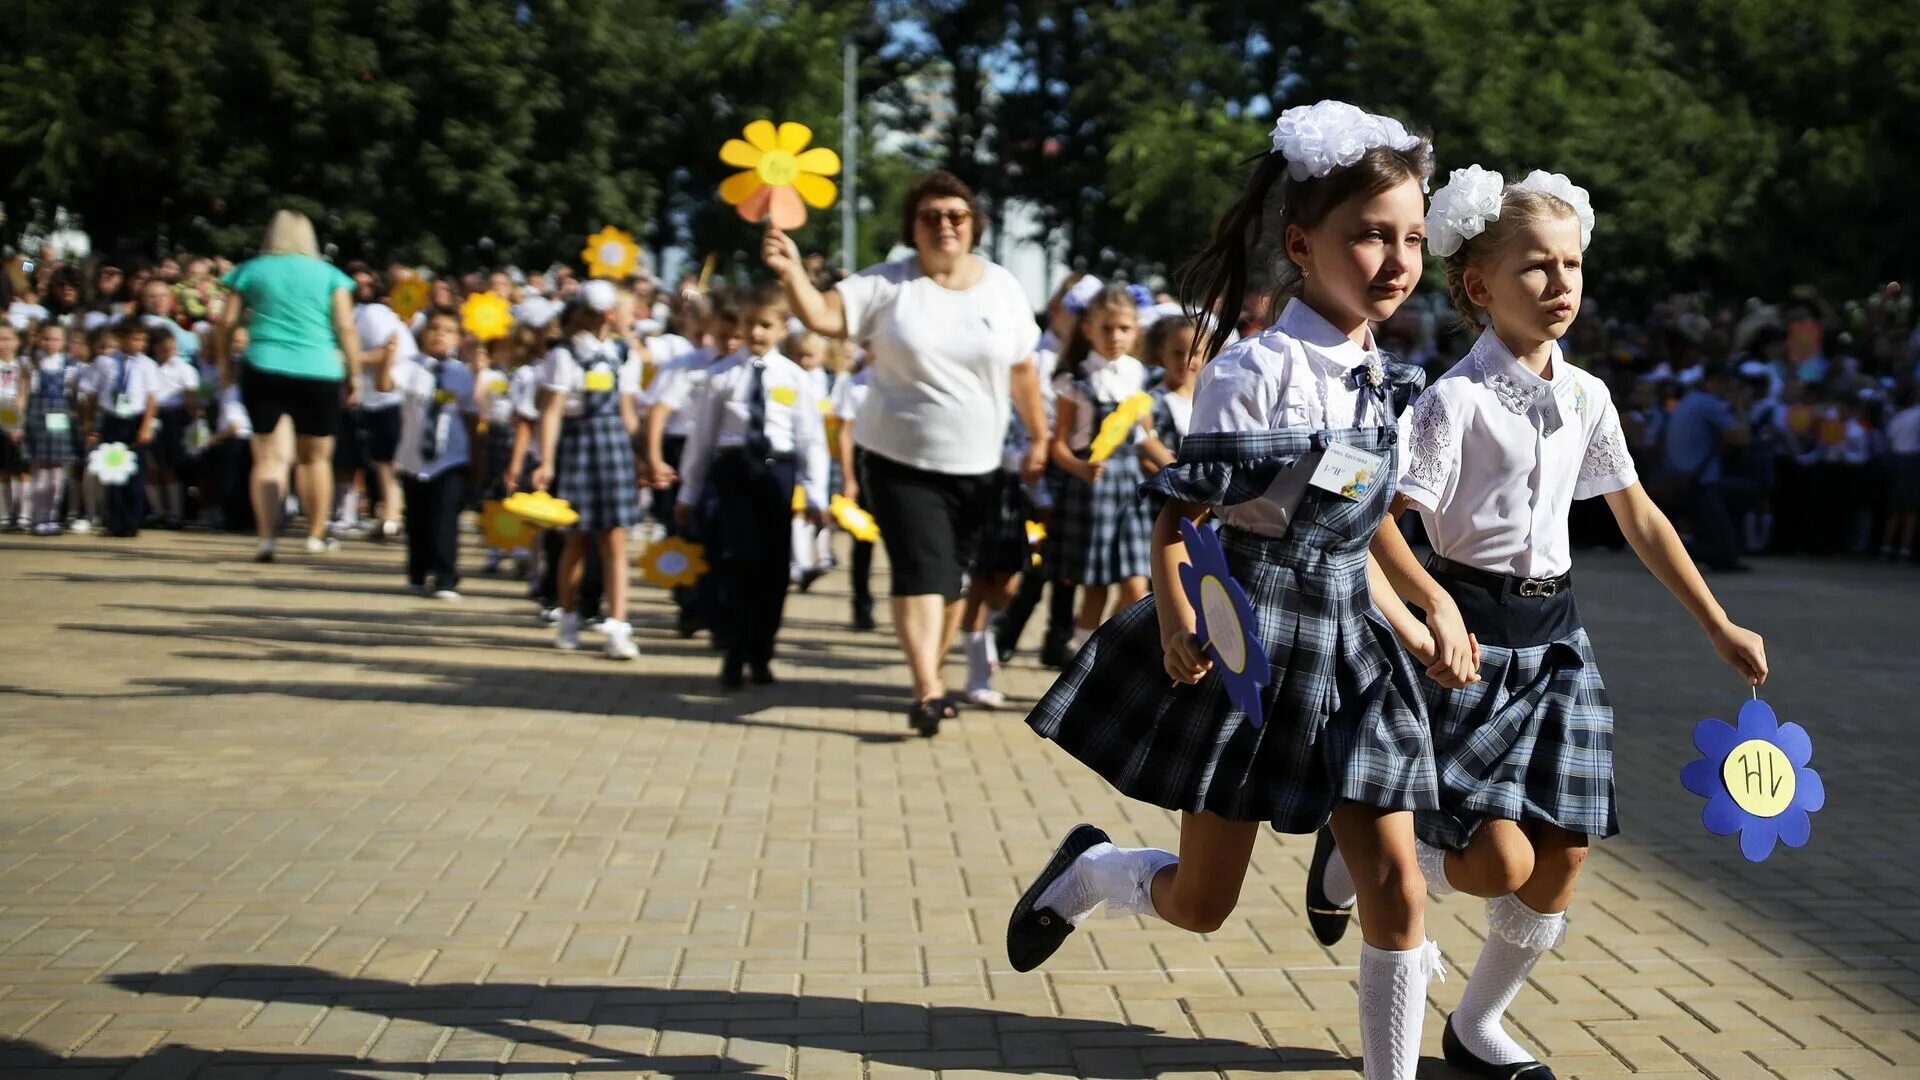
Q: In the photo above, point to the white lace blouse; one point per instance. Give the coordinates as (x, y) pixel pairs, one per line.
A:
(1497, 454)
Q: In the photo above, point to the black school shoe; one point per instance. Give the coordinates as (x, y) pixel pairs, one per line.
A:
(1035, 934)
(1461, 1058)
(1329, 920)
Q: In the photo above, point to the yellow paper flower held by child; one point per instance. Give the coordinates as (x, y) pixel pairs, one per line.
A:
(673, 563)
(486, 316)
(1117, 426)
(611, 253)
(540, 509)
(504, 531)
(855, 521)
(408, 298)
(782, 177)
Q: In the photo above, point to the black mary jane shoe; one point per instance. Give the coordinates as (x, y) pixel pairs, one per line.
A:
(925, 717)
(1461, 1058)
(1033, 934)
(1328, 920)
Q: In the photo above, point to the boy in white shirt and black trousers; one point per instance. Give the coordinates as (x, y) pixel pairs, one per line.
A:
(438, 414)
(125, 382)
(757, 432)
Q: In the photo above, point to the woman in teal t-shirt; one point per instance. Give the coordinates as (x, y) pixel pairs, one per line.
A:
(298, 310)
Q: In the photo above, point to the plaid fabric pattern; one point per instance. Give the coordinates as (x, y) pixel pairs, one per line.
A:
(42, 446)
(1345, 713)
(1531, 741)
(499, 454)
(593, 470)
(1101, 533)
(1003, 542)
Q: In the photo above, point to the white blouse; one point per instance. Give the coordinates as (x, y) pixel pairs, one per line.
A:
(1498, 454)
(562, 373)
(1112, 382)
(1296, 374)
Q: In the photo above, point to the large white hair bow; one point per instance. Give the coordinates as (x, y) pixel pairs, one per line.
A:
(1461, 210)
(1319, 138)
(1558, 186)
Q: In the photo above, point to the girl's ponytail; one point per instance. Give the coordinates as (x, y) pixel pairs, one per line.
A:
(1213, 285)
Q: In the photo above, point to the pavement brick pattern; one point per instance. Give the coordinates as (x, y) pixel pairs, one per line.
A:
(285, 821)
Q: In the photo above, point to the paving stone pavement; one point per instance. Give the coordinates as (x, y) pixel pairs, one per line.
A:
(285, 821)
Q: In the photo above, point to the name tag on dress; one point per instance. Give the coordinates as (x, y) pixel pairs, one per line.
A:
(1347, 472)
(599, 382)
(58, 423)
(124, 407)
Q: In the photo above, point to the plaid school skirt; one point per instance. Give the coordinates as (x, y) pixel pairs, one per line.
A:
(1102, 533)
(593, 470)
(1345, 716)
(1004, 548)
(499, 451)
(1533, 739)
(45, 447)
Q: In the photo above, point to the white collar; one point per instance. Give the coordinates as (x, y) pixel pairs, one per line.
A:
(1321, 339)
(1519, 389)
(1095, 363)
(588, 344)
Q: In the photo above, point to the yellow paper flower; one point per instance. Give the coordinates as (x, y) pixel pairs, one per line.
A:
(799, 499)
(486, 316)
(10, 416)
(611, 253)
(672, 563)
(856, 522)
(782, 176)
(504, 531)
(1118, 425)
(540, 509)
(1036, 535)
(408, 297)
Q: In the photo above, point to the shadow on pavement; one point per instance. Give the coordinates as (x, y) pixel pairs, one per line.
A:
(906, 1035)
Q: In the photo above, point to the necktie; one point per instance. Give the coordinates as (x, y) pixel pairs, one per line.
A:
(120, 382)
(756, 443)
(430, 437)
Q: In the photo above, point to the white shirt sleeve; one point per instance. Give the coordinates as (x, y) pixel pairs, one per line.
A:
(1236, 392)
(630, 373)
(810, 443)
(560, 373)
(1607, 466)
(703, 441)
(1433, 452)
(864, 294)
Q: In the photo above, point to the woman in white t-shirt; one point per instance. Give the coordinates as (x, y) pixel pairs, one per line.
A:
(951, 337)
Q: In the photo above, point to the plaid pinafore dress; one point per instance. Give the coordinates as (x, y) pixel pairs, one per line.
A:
(593, 466)
(1102, 533)
(1344, 711)
(43, 445)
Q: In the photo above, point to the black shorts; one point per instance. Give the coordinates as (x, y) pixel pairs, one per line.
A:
(380, 428)
(314, 404)
(930, 522)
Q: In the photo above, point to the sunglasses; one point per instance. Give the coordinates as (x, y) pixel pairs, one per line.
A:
(956, 218)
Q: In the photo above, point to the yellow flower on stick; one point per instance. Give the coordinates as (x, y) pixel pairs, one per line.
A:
(611, 253)
(540, 509)
(855, 521)
(672, 563)
(486, 316)
(782, 177)
(504, 531)
(1118, 425)
(408, 297)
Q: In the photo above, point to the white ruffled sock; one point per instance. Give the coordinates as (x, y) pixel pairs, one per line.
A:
(1393, 1005)
(1121, 878)
(981, 660)
(1517, 938)
(1433, 864)
(1338, 884)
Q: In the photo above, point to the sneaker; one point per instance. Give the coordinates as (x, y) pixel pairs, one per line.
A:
(620, 644)
(595, 625)
(46, 528)
(80, 526)
(549, 614)
(568, 635)
(986, 697)
(264, 553)
(445, 594)
(318, 546)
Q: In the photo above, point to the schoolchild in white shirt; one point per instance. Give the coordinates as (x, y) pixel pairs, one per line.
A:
(670, 420)
(757, 435)
(177, 385)
(14, 385)
(848, 395)
(1501, 446)
(812, 545)
(438, 418)
(126, 404)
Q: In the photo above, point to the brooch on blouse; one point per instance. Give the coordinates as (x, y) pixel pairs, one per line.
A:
(1372, 373)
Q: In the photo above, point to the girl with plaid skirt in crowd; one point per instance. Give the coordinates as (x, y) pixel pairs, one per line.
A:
(587, 424)
(1100, 532)
(52, 424)
(1501, 446)
(1171, 346)
(1345, 735)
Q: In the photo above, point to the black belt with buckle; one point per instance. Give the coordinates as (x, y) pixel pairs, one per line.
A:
(1502, 584)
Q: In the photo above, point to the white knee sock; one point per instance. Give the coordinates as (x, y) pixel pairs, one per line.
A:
(1517, 938)
(1433, 864)
(1393, 1004)
(1121, 878)
(9, 497)
(46, 495)
(1339, 881)
(800, 547)
(348, 498)
(981, 660)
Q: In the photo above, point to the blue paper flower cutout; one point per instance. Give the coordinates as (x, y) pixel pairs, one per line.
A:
(1224, 620)
(1755, 780)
